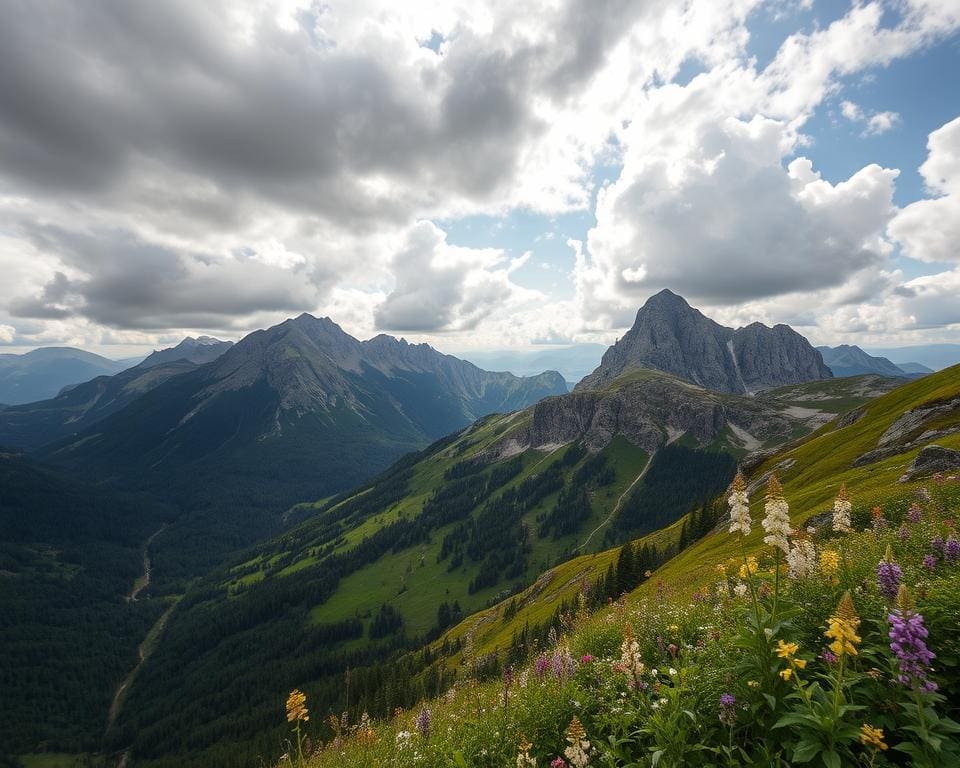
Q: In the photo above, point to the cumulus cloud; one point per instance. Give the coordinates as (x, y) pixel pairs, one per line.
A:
(929, 230)
(874, 123)
(440, 287)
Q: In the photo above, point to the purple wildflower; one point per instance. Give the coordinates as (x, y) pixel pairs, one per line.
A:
(829, 656)
(907, 641)
(951, 550)
(930, 562)
(423, 723)
(903, 533)
(728, 709)
(889, 576)
(913, 514)
(586, 658)
(541, 665)
(938, 545)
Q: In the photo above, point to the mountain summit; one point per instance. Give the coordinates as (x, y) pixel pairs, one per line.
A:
(669, 335)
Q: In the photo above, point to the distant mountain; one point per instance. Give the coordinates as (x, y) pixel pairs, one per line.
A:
(933, 356)
(42, 373)
(31, 425)
(671, 336)
(849, 360)
(573, 362)
(200, 350)
(914, 369)
(297, 411)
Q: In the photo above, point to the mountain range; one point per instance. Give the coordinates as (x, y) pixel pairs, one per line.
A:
(850, 360)
(308, 503)
(42, 373)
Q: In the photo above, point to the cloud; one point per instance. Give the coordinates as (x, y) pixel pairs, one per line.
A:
(440, 287)
(7, 334)
(875, 123)
(929, 230)
(121, 281)
(719, 219)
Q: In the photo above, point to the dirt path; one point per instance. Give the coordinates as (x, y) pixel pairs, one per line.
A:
(616, 507)
(143, 581)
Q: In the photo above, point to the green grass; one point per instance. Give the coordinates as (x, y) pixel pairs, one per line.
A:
(62, 760)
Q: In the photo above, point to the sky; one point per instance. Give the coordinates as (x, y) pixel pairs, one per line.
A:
(477, 175)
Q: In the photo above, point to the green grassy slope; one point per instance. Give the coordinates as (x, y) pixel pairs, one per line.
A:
(363, 576)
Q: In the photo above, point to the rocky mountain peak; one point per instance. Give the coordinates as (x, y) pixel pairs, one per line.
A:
(671, 336)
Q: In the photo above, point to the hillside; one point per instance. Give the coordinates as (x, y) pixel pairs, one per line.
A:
(671, 336)
(42, 373)
(583, 664)
(443, 533)
(200, 350)
(69, 553)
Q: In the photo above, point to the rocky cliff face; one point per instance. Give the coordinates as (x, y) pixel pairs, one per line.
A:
(650, 411)
(671, 336)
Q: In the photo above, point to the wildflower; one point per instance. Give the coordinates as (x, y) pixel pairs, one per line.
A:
(889, 576)
(753, 683)
(908, 642)
(951, 550)
(829, 562)
(879, 521)
(938, 545)
(558, 762)
(297, 707)
(740, 590)
(914, 513)
(403, 739)
(578, 753)
(523, 755)
(422, 723)
(872, 737)
(929, 562)
(786, 674)
(750, 567)
(739, 506)
(776, 521)
(802, 559)
(903, 533)
(630, 660)
(829, 656)
(562, 664)
(841, 511)
(541, 665)
(728, 709)
(786, 650)
(586, 658)
(842, 628)
(365, 733)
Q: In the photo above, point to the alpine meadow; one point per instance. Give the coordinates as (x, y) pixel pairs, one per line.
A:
(539, 384)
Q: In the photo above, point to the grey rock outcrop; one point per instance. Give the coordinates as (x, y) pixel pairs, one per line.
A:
(671, 336)
(651, 411)
(931, 460)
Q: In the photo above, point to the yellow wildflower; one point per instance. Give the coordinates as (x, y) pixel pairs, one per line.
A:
(749, 568)
(786, 650)
(297, 707)
(842, 628)
(753, 683)
(872, 737)
(829, 562)
(787, 673)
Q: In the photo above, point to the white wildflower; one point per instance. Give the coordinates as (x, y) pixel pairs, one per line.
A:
(802, 559)
(739, 507)
(740, 590)
(841, 511)
(776, 521)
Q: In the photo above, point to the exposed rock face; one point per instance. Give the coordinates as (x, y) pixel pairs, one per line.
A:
(204, 349)
(671, 336)
(650, 412)
(931, 460)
